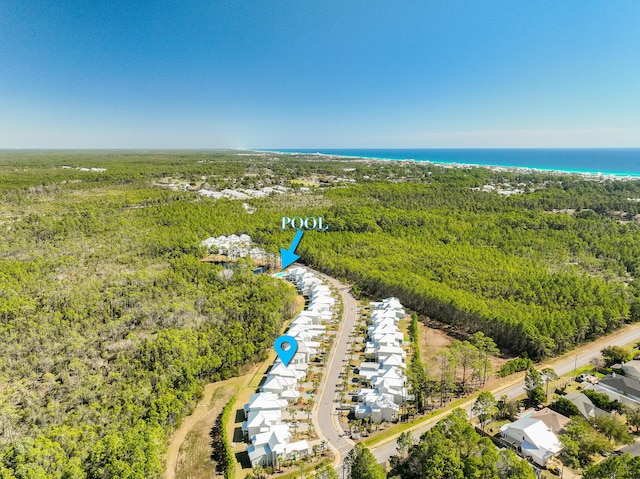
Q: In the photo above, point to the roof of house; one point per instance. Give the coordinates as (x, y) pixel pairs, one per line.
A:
(627, 385)
(265, 401)
(632, 367)
(370, 365)
(279, 383)
(290, 394)
(277, 434)
(279, 369)
(258, 418)
(298, 446)
(380, 400)
(389, 383)
(257, 452)
(392, 350)
(554, 421)
(633, 449)
(394, 360)
(396, 334)
(583, 403)
(535, 432)
(392, 303)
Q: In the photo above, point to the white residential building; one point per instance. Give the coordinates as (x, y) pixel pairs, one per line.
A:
(380, 407)
(260, 421)
(264, 402)
(532, 438)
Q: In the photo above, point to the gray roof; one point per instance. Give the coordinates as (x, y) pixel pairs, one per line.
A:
(583, 403)
(632, 367)
(628, 386)
(633, 449)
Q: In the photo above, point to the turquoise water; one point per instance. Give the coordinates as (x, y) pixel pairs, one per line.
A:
(607, 161)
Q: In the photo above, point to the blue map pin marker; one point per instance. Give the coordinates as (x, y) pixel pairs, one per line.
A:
(286, 355)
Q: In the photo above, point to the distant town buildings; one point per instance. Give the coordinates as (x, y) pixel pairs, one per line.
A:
(244, 194)
(234, 246)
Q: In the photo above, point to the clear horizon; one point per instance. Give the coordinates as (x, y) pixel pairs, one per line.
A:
(247, 75)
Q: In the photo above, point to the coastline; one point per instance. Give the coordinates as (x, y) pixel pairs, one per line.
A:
(588, 174)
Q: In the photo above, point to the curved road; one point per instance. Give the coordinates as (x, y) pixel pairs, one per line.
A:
(326, 416)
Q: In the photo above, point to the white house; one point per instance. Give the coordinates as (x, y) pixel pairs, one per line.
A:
(532, 438)
(368, 370)
(270, 438)
(284, 388)
(386, 373)
(279, 369)
(387, 337)
(380, 316)
(384, 352)
(395, 361)
(260, 421)
(261, 452)
(314, 317)
(267, 454)
(380, 407)
(264, 402)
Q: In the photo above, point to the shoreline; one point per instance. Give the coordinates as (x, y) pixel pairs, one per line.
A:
(588, 174)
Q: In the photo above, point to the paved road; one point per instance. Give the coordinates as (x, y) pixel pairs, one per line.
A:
(562, 365)
(567, 364)
(326, 417)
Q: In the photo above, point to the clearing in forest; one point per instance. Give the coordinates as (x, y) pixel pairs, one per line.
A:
(433, 340)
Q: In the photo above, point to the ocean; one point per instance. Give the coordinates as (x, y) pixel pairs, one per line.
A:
(606, 161)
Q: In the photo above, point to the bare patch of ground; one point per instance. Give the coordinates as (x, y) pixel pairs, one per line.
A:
(196, 452)
(434, 337)
(431, 342)
(568, 211)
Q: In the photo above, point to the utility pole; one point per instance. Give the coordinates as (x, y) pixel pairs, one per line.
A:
(575, 366)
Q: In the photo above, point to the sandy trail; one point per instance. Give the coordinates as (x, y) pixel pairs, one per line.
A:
(176, 441)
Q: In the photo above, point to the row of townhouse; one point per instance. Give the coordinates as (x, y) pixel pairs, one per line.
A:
(385, 370)
(243, 194)
(234, 246)
(264, 426)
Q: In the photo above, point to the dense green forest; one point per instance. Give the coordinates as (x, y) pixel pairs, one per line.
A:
(110, 323)
(535, 281)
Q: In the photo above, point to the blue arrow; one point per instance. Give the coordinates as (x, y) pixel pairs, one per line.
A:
(288, 256)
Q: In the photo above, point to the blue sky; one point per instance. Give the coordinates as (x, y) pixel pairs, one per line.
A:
(306, 73)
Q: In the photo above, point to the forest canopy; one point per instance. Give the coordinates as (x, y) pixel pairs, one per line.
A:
(111, 324)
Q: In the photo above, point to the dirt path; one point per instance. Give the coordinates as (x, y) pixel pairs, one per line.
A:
(203, 407)
(196, 457)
